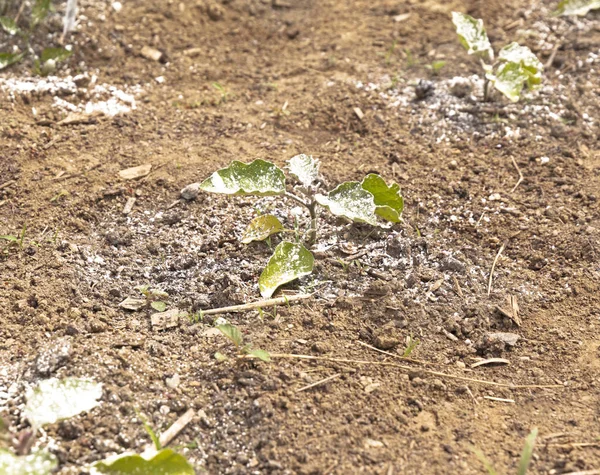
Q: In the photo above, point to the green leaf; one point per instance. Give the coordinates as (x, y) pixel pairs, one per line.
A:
(289, 262)
(472, 35)
(257, 178)
(388, 200)
(9, 238)
(305, 168)
(260, 354)
(533, 67)
(54, 399)
(509, 80)
(39, 11)
(527, 452)
(56, 54)
(6, 59)
(165, 462)
(9, 25)
(159, 305)
(577, 7)
(489, 467)
(150, 431)
(232, 332)
(351, 201)
(36, 463)
(261, 228)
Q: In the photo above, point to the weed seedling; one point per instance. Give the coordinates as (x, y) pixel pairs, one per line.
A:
(515, 68)
(369, 201)
(154, 298)
(15, 240)
(411, 344)
(524, 461)
(234, 335)
(436, 67)
(222, 91)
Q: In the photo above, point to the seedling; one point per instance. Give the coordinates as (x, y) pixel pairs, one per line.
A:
(44, 64)
(222, 91)
(515, 68)
(369, 201)
(411, 344)
(436, 66)
(15, 240)
(523, 462)
(154, 298)
(576, 7)
(51, 401)
(234, 335)
(160, 461)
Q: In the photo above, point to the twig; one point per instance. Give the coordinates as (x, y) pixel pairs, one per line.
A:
(499, 399)
(405, 358)
(585, 472)
(167, 436)
(470, 393)
(259, 304)
(520, 175)
(458, 289)
(7, 184)
(493, 267)
(19, 12)
(405, 368)
(318, 383)
(552, 56)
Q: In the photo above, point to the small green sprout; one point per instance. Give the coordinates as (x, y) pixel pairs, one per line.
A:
(523, 462)
(222, 91)
(234, 335)
(154, 298)
(436, 66)
(516, 67)
(411, 344)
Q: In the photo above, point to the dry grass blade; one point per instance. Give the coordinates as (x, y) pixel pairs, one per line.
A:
(520, 175)
(406, 368)
(255, 305)
(319, 383)
(493, 267)
(499, 399)
(404, 358)
(490, 361)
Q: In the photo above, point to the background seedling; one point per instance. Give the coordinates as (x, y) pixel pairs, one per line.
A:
(234, 335)
(515, 68)
(436, 66)
(370, 201)
(524, 461)
(577, 7)
(411, 344)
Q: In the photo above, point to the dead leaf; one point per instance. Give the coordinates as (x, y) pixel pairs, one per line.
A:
(168, 319)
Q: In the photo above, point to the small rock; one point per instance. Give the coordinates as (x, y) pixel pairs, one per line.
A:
(52, 358)
(136, 172)
(453, 265)
(386, 341)
(152, 54)
(168, 319)
(373, 444)
(132, 304)
(321, 347)
(495, 197)
(96, 326)
(70, 430)
(191, 191)
(164, 410)
(509, 338)
(215, 12)
(173, 381)
(424, 89)
(461, 88)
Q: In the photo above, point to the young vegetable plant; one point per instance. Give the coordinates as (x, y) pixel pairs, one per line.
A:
(234, 335)
(51, 401)
(577, 7)
(515, 68)
(369, 201)
(159, 461)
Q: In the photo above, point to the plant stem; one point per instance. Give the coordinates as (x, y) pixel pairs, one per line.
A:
(486, 89)
(311, 206)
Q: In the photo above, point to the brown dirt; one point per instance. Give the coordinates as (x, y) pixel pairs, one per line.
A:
(82, 256)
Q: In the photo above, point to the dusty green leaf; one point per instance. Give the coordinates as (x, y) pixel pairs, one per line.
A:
(305, 168)
(39, 11)
(9, 25)
(56, 54)
(351, 201)
(56, 399)
(233, 333)
(36, 463)
(261, 228)
(10, 238)
(388, 200)
(260, 354)
(533, 67)
(472, 35)
(165, 462)
(6, 59)
(577, 7)
(289, 262)
(509, 80)
(257, 178)
(159, 305)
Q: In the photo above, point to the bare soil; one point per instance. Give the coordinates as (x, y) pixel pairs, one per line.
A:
(291, 76)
